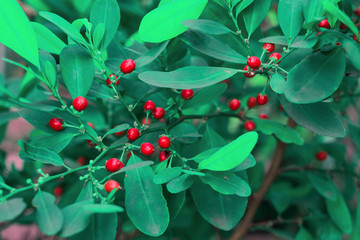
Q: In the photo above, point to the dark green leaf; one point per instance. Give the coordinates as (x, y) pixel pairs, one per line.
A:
(356, 233)
(281, 40)
(353, 52)
(54, 143)
(255, 14)
(206, 95)
(46, 106)
(116, 129)
(277, 83)
(12, 208)
(185, 132)
(329, 231)
(47, 40)
(180, 184)
(323, 184)
(151, 55)
(167, 175)
(339, 213)
(206, 26)
(303, 234)
(242, 5)
(145, 205)
(300, 43)
(290, 17)
(312, 10)
(7, 116)
(187, 77)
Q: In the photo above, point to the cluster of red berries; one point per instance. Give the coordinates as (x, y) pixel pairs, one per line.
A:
(127, 66)
(158, 112)
(325, 24)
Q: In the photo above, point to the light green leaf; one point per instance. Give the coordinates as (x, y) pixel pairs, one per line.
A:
(206, 26)
(255, 14)
(291, 18)
(116, 129)
(11, 209)
(103, 208)
(277, 83)
(98, 35)
(180, 184)
(47, 40)
(167, 175)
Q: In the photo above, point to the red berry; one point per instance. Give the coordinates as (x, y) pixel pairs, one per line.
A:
(254, 62)
(147, 148)
(338, 44)
(276, 56)
(234, 104)
(248, 73)
(263, 116)
(321, 155)
(343, 26)
(159, 113)
(91, 125)
(119, 134)
(187, 94)
(357, 12)
(261, 99)
(80, 103)
(133, 134)
(249, 125)
(355, 37)
(113, 165)
(269, 47)
(81, 161)
(90, 143)
(110, 185)
(251, 102)
(164, 142)
(149, 106)
(56, 124)
(58, 191)
(143, 121)
(108, 80)
(127, 66)
(163, 155)
(324, 24)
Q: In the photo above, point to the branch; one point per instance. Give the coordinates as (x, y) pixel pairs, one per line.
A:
(257, 197)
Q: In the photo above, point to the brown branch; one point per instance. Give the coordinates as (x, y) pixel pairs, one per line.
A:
(257, 197)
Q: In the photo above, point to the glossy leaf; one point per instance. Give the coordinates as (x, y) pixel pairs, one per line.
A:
(77, 70)
(316, 77)
(116, 129)
(222, 211)
(48, 215)
(242, 5)
(106, 12)
(281, 131)
(227, 183)
(317, 117)
(303, 234)
(164, 22)
(11, 209)
(16, 31)
(323, 184)
(290, 17)
(167, 175)
(149, 211)
(206, 26)
(151, 55)
(232, 154)
(180, 184)
(47, 40)
(254, 14)
(187, 77)
(339, 213)
(277, 83)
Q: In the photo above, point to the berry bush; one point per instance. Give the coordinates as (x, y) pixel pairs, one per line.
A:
(184, 119)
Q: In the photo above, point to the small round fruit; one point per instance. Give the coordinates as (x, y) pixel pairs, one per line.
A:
(249, 125)
(159, 112)
(133, 134)
(80, 103)
(254, 62)
(234, 104)
(58, 191)
(146, 148)
(56, 124)
(187, 94)
(143, 121)
(261, 99)
(357, 12)
(263, 116)
(110, 185)
(269, 47)
(149, 106)
(248, 73)
(108, 81)
(81, 161)
(127, 66)
(251, 102)
(164, 142)
(163, 155)
(275, 56)
(324, 24)
(113, 165)
(321, 155)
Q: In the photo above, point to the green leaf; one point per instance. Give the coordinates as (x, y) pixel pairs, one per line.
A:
(227, 183)
(103, 208)
(329, 231)
(352, 49)
(277, 83)
(184, 132)
(46, 106)
(65, 26)
(336, 12)
(316, 77)
(300, 43)
(356, 233)
(254, 14)
(47, 40)
(232, 154)
(164, 22)
(106, 12)
(317, 117)
(54, 143)
(303, 234)
(339, 213)
(206, 95)
(206, 26)
(151, 55)
(222, 211)
(40, 154)
(242, 5)
(290, 17)
(144, 202)
(180, 184)
(98, 35)
(48, 215)
(323, 184)
(11, 209)
(280, 40)
(77, 70)
(212, 47)
(249, 162)
(282, 132)
(116, 129)
(7, 116)
(167, 175)
(205, 154)
(312, 10)
(187, 77)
